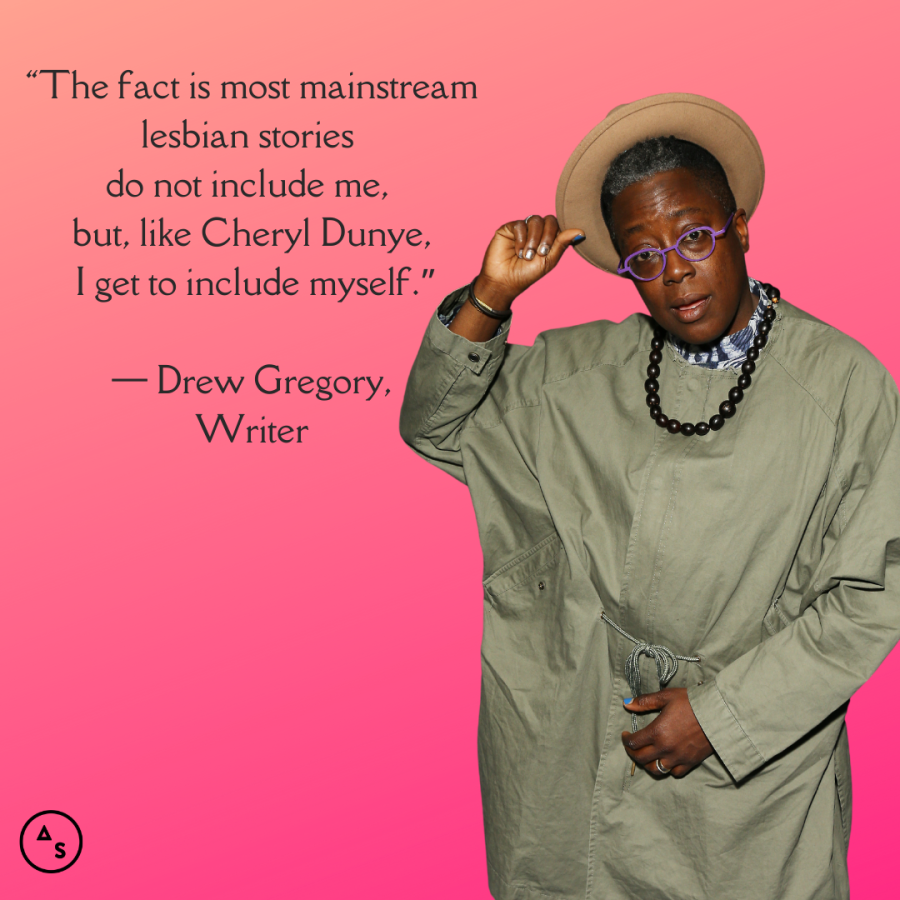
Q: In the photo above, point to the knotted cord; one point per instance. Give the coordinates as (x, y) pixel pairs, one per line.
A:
(666, 663)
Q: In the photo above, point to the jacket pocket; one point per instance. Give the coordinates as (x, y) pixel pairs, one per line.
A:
(520, 582)
(526, 641)
(775, 618)
(843, 782)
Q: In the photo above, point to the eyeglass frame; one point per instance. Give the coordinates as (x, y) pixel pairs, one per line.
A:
(623, 268)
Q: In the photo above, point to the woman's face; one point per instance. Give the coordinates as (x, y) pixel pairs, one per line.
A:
(702, 301)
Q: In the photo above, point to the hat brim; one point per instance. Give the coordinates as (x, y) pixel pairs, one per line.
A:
(689, 117)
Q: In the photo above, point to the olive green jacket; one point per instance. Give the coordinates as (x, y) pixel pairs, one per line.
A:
(769, 549)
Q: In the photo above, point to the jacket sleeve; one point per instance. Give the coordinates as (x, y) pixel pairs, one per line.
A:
(769, 698)
(449, 378)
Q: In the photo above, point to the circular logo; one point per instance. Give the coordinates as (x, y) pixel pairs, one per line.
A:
(50, 841)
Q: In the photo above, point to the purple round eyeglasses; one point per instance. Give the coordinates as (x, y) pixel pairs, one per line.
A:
(693, 246)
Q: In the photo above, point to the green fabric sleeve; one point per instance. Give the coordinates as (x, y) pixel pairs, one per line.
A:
(849, 616)
(449, 378)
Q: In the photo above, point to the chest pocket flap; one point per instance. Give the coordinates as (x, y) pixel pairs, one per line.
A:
(525, 569)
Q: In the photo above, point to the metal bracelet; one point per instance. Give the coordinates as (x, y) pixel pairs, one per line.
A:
(486, 310)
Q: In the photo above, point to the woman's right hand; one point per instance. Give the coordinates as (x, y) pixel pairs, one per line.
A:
(518, 255)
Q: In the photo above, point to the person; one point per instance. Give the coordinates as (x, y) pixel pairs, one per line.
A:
(695, 511)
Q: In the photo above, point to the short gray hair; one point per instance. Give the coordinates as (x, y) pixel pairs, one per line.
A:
(663, 154)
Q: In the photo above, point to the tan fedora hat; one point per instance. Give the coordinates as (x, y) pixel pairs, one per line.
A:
(689, 117)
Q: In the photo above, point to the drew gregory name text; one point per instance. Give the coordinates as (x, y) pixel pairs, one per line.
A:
(267, 379)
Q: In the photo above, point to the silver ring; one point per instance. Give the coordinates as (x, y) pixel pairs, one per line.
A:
(530, 217)
(661, 768)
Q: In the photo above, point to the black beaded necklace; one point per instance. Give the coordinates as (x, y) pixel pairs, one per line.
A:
(728, 407)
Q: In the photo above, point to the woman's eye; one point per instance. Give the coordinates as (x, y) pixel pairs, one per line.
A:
(645, 256)
(693, 236)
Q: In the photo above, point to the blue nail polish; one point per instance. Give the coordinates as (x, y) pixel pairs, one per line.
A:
(627, 700)
(578, 239)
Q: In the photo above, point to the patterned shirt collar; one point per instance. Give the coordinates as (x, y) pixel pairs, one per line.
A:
(731, 351)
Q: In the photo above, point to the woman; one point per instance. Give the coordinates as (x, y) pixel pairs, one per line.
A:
(698, 509)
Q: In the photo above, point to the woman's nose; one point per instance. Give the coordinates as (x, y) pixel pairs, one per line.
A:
(677, 268)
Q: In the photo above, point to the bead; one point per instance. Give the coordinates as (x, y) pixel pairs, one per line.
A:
(735, 395)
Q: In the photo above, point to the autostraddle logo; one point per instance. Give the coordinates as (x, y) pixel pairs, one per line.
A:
(51, 841)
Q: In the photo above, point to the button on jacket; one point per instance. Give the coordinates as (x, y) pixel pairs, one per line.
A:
(769, 549)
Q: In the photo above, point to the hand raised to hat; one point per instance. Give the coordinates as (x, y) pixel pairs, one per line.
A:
(674, 737)
(518, 255)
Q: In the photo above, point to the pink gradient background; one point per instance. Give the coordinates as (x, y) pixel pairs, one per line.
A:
(253, 671)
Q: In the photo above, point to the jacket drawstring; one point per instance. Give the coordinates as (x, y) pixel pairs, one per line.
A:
(666, 663)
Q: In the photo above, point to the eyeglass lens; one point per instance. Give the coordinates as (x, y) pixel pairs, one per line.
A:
(693, 245)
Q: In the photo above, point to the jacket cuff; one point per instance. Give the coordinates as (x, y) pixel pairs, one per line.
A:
(738, 753)
(475, 356)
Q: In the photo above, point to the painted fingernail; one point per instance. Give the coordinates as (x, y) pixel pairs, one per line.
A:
(544, 249)
(578, 239)
(520, 254)
(529, 253)
(627, 700)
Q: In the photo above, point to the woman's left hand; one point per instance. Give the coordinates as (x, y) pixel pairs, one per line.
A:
(674, 737)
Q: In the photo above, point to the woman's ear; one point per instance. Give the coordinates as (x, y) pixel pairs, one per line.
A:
(741, 229)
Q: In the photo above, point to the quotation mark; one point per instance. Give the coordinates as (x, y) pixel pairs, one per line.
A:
(426, 273)
(33, 73)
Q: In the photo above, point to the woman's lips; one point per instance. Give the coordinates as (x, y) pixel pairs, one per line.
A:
(691, 309)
